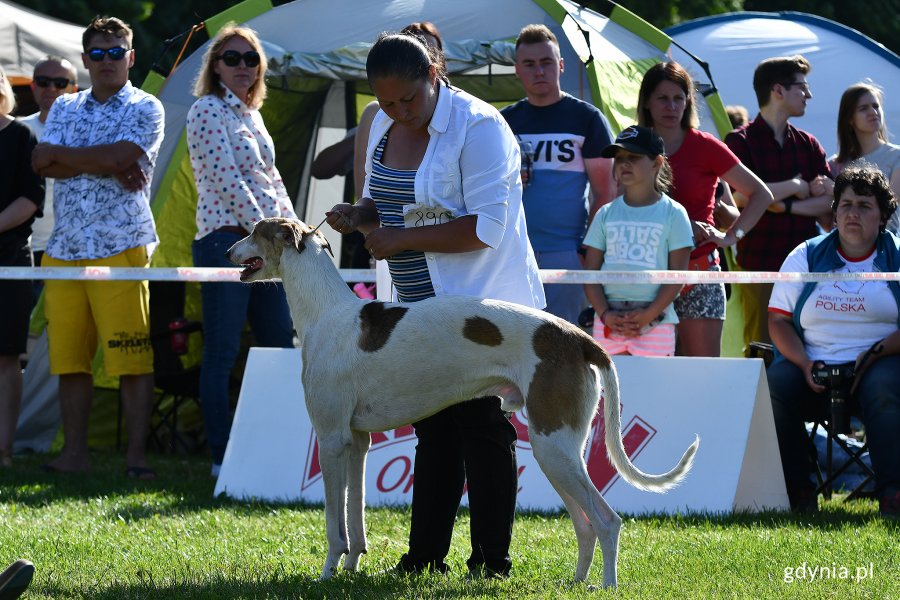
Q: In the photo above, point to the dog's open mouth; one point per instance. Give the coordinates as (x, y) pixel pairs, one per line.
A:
(251, 266)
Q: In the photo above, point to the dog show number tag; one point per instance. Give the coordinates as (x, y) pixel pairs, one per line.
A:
(420, 215)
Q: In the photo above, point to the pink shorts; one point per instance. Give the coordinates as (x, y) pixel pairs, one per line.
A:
(657, 341)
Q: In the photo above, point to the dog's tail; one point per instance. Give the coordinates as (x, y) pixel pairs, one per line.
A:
(613, 436)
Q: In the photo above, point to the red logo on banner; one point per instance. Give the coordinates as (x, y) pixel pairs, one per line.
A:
(397, 473)
(636, 434)
(312, 472)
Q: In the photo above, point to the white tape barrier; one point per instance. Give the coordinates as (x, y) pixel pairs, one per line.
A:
(214, 274)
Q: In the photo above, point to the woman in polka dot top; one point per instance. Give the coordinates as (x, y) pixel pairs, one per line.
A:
(233, 159)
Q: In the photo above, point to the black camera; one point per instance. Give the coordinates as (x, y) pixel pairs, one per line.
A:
(838, 378)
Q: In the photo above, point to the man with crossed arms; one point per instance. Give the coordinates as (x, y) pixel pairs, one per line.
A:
(101, 146)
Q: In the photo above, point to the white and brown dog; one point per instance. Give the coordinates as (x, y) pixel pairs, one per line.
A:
(357, 380)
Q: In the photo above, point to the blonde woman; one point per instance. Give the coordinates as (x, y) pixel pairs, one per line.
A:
(233, 159)
(21, 197)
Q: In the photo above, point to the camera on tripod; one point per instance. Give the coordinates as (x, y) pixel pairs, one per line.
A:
(838, 378)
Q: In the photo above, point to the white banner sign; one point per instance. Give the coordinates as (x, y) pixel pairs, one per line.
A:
(273, 454)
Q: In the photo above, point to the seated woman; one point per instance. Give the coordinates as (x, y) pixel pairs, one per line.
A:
(835, 322)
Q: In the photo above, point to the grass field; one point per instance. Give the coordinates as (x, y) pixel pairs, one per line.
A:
(105, 536)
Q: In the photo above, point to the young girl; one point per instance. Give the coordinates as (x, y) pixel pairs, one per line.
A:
(642, 230)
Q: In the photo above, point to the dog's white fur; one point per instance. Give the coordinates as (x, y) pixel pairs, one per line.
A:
(374, 367)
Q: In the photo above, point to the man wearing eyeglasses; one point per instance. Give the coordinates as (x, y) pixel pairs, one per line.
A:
(53, 76)
(792, 163)
(101, 146)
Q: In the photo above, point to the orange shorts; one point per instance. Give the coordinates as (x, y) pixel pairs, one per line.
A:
(116, 312)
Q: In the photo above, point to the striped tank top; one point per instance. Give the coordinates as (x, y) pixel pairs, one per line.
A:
(391, 190)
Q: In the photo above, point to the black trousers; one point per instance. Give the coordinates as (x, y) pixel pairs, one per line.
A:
(475, 442)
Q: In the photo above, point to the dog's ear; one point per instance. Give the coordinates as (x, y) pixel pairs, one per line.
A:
(327, 246)
(324, 244)
(291, 236)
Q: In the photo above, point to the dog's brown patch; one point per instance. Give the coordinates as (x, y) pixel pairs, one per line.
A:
(482, 331)
(376, 325)
(554, 394)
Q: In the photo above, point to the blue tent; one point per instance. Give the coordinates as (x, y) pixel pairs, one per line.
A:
(734, 43)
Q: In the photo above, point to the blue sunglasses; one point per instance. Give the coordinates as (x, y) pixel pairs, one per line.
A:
(116, 53)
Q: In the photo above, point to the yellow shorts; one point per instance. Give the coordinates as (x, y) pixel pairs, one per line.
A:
(118, 312)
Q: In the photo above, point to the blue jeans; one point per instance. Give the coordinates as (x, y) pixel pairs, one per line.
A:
(878, 394)
(565, 300)
(226, 306)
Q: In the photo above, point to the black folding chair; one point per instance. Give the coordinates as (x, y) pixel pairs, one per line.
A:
(853, 455)
(175, 386)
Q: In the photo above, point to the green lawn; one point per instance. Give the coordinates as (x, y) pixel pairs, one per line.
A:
(105, 536)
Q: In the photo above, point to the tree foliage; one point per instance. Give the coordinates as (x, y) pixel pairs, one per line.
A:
(153, 21)
(878, 19)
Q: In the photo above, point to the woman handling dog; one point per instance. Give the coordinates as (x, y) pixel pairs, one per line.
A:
(442, 203)
(233, 159)
(698, 160)
(838, 322)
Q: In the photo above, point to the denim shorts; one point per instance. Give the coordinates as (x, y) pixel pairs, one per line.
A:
(702, 301)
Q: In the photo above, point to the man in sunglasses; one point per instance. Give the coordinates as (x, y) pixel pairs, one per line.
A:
(53, 76)
(101, 146)
(793, 165)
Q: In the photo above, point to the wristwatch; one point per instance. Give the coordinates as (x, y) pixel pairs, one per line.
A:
(739, 233)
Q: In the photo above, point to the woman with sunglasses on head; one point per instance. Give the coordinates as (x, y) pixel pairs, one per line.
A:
(442, 204)
(698, 161)
(862, 136)
(233, 159)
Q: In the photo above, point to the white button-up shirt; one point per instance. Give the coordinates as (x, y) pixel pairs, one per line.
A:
(233, 159)
(471, 167)
(95, 217)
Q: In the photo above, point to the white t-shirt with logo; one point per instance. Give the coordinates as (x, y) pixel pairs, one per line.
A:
(840, 319)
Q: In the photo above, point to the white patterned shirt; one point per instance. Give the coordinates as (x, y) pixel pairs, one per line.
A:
(233, 159)
(95, 217)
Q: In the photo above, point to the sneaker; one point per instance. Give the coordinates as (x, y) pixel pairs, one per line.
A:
(889, 505)
(15, 579)
(214, 471)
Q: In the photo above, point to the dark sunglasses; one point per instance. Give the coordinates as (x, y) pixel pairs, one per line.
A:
(232, 58)
(116, 53)
(58, 82)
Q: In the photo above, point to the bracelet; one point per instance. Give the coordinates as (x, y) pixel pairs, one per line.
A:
(787, 205)
(603, 315)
